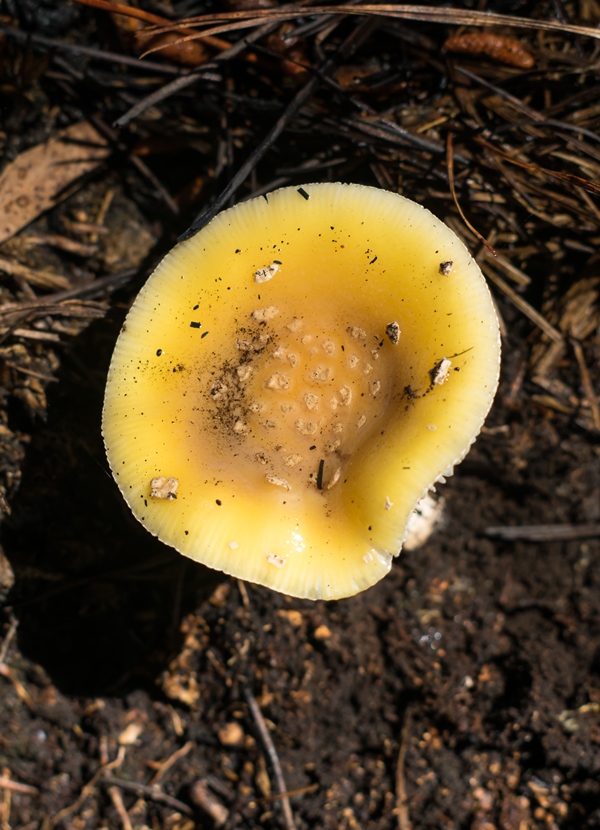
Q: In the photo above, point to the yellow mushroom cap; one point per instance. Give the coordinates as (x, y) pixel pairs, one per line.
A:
(291, 381)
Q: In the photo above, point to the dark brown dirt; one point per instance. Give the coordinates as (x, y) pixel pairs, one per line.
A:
(463, 691)
(480, 659)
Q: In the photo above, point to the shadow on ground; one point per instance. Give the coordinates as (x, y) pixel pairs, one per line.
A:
(99, 600)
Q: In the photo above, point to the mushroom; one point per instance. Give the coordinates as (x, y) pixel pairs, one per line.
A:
(292, 380)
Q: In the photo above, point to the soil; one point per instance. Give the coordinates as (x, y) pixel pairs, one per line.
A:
(136, 688)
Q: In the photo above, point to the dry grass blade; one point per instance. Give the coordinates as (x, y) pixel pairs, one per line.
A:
(523, 306)
(120, 8)
(152, 20)
(568, 178)
(231, 21)
(450, 165)
(104, 55)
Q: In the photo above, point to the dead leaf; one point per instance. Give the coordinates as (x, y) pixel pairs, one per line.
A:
(38, 178)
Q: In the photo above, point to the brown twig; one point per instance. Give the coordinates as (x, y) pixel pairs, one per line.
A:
(117, 800)
(243, 593)
(151, 792)
(310, 788)
(543, 533)
(87, 789)
(209, 803)
(36, 276)
(85, 291)
(586, 382)
(62, 243)
(273, 757)
(6, 671)
(25, 789)
(12, 630)
(22, 693)
(404, 822)
(166, 765)
(31, 372)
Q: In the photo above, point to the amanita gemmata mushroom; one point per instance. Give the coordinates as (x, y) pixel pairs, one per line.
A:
(292, 380)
